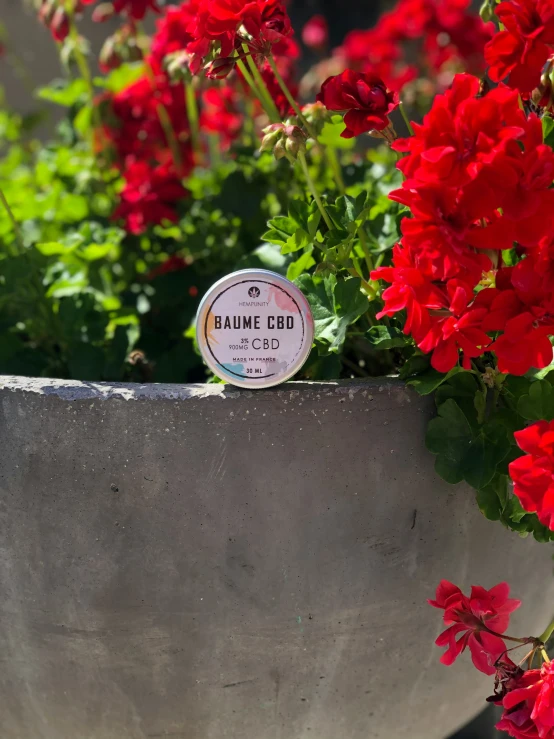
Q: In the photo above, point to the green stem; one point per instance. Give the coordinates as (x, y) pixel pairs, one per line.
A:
(193, 119)
(82, 64)
(366, 286)
(15, 225)
(335, 166)
(365, 248)
(287, 93)
(406, 119)
(314, 192)
(547, 633)
(166, 124)
(258, 94)
(270, 107)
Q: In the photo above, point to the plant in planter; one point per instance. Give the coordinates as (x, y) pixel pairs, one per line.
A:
(429, 256)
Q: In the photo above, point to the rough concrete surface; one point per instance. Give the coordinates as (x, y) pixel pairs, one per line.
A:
(206, 563)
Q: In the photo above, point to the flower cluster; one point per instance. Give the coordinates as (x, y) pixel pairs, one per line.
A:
(478, 182)
(475, 622)
(214, 33)
(147, 129)
(519, 53)
(533, 473)
(526, 696)
(528, 703)
(449, 36)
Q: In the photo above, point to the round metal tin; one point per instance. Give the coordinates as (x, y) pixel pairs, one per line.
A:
(254, 328)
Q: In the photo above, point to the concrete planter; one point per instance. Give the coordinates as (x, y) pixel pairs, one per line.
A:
(199, 562)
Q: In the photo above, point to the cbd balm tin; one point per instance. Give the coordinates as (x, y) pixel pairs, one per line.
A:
(254, 328)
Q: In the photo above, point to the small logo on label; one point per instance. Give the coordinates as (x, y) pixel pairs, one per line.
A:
(254, 292)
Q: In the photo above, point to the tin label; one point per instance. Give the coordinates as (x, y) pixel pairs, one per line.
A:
(256, 331)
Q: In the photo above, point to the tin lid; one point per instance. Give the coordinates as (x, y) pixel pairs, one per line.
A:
(254, 328)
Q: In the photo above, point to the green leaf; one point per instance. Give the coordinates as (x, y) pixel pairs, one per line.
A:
(491, 498)
(301, 265)
(429, 381)
(539, 403)
(331, 134)
(335, 306)
(462, 453)
(299, 240)
(63, 92)
(51, 248)
(548, 130)
(417, 364)
(92, 252)
(266, 256)
(486, 452)
(121, 77)
(449, 436)
(385, 337)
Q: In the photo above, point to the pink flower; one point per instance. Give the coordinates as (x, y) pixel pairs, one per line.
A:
(472, 619)
(315, 33)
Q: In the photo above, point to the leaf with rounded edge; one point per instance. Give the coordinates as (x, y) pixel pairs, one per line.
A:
(430, 380)
(538, 404)
(335, 306)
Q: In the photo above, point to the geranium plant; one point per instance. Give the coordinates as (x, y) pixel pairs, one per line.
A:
(404, 182)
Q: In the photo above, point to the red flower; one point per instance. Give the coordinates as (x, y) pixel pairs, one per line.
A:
(473, 618)
(221, 114)
(315, 33)
(533, 474)
(149, 197)
(529, 705)
(366, 98)
(521, 51)
(461, 330)
(172, 32)
(174, 263)
(135, 128)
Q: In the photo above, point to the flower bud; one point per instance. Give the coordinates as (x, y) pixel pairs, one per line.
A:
(59, 26)
(46, 11)
(272, 136)
(486, 11)
(317, 115)
(220, 68)
(279, 150)
(103, 12)
(286, 139)
(177, 66)
(110, 57)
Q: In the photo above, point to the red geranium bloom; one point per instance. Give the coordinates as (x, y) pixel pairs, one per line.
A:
(462, 330)
(523, 345)
(529, 705)
(172, 32)
(533, 474)
(521, 51)
(366, 98)
(411, 290)
(149, 196)
(221, 114)
(472, 617)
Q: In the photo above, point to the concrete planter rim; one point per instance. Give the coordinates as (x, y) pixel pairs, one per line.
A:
(89, 389)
